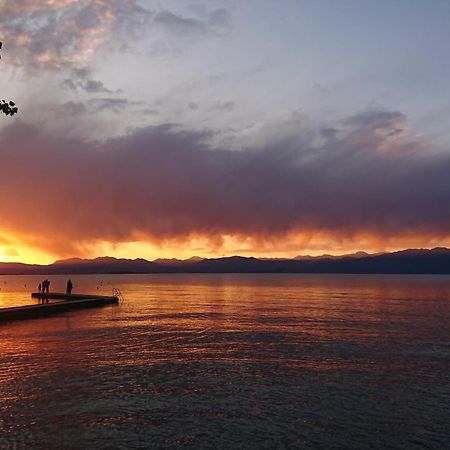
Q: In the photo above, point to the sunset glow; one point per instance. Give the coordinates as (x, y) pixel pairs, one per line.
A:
(224, 224)
(259, 152)
(15, 250)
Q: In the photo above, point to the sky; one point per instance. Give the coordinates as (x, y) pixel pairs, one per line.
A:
(267, 128)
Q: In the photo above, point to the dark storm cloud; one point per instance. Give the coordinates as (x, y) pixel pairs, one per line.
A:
(163, 183)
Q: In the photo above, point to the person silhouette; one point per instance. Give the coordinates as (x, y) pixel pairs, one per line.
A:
(45, 285)
(69, 287)
(40, 287)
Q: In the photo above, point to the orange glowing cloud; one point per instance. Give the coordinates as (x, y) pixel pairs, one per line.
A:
(163, 188)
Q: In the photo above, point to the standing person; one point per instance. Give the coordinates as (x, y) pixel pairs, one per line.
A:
(45, 285)
(40, 287)
(69, 287)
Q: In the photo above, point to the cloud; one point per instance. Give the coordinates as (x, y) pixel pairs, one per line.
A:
(149, 111)
(179, 24)
(321, 89)
(71, 109)
(220, 19)
(91, 107)
(56, 33)
(216, 21)
(113, 104)
(161, 183)
(193, 106)
(377, 120)
(81, 80)
(223, 106)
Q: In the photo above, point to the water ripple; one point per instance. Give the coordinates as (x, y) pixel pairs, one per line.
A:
(253, 361)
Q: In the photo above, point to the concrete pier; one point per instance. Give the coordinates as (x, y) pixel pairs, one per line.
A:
(67, 303)
(71, 297)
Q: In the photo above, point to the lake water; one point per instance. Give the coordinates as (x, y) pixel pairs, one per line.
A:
(231, 362)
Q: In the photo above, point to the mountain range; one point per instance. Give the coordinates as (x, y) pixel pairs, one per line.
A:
(412, 261)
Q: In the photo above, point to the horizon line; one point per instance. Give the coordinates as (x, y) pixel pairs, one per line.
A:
(196, 258)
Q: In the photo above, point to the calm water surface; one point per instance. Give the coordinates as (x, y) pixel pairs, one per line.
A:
(231, 361)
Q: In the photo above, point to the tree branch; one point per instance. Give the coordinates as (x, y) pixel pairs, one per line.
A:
(8, 108)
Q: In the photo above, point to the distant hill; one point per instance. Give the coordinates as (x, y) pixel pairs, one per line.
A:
(350, 255)
(177, 262)
(412, 261)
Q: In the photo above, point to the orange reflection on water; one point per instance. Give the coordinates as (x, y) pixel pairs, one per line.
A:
(212, 348)
(268, 318)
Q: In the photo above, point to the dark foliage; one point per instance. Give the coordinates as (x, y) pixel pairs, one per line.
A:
(8, 108)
